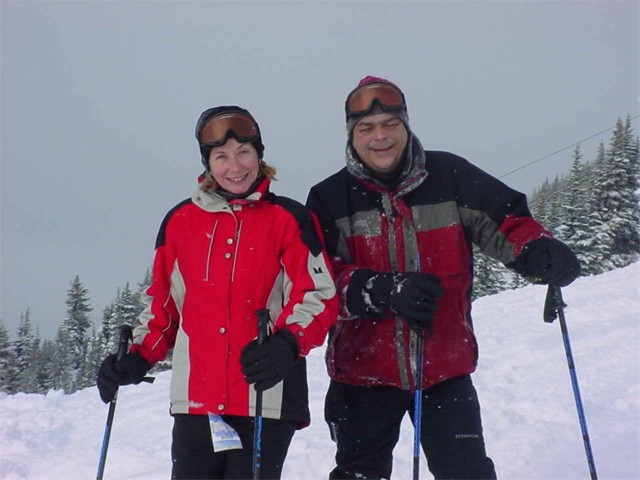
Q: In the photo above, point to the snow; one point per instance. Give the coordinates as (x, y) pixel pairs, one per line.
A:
(529, 414)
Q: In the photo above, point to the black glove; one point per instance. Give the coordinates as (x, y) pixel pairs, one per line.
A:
(131, 368)
(551, 261)
(267, 364)
(412, 295)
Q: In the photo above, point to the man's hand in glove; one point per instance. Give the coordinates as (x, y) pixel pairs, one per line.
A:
(550, 261)
(270, 362)
(411, 295)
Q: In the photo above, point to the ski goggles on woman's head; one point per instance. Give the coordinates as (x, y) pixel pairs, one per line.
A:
(218, 129)
(361, 100)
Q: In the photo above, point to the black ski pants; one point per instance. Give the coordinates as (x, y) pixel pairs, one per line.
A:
(365, 424)
(193, 456)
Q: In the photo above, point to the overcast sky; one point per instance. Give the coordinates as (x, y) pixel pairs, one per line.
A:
(99, 102)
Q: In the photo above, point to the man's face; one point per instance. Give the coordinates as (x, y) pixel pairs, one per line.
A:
(379, 140)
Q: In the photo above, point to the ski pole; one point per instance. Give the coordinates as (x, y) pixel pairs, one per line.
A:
(263, 321)
(417, 394)
(123, 347)
(417, 402)
(554, 308)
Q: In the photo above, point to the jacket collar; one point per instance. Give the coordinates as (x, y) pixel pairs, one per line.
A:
(212, 201)
(413, 174)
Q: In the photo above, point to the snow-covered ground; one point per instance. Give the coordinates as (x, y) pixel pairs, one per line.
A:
(531, 424)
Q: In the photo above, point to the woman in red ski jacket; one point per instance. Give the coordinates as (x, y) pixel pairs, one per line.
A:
(231, 249)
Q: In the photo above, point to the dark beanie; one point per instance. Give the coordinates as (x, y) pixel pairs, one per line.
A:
(215, 111)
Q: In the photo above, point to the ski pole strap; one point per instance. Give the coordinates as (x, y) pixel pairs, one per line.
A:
(123, 341)
(263, 324)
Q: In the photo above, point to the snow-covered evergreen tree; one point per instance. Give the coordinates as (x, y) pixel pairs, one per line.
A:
(64, 370)
(140, 296)
(25, 351)
(8, 377)
(91, 362)
(576, 229)
(46, 366)
(108, 330)
(602, 245)
(74, 327)
(488, 276)
(556, 202)
(540, 204)
(620, 195)
(123, 310)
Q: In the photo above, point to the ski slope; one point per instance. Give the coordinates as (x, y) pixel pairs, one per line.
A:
(530, 420)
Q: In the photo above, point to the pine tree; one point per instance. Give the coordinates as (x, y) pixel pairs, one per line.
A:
(620, 202)
(108, 330)
(25, 354)
(8, 376)
(540, 204)
(556, 202)
(77, 322)
(63, 373)
(487, 276)
(122, 311)
(576, 229)
(46, 366)
(140, 295)
(602, 245)
(91, 362)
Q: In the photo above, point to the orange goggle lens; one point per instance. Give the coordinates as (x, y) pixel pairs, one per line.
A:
(361, 99)
(216, 131)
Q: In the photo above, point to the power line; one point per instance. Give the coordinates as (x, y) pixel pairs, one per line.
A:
(561, 150)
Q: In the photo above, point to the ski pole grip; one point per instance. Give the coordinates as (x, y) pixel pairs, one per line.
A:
(126, 334)
(553, 303)
(263, 322)
(123, 342)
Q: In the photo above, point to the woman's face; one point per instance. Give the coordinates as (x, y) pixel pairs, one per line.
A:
(234, 165)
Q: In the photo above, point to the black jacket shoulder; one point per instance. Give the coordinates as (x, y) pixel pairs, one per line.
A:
(303, 218)
(161, 237)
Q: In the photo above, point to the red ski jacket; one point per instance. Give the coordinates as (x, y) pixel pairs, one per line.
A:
(216, 263)
(443, 206)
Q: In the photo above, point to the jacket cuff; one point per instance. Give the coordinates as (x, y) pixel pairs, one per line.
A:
(357, 296)
(519, 265)
(291, 339)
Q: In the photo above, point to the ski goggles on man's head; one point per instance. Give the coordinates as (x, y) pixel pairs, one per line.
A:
(218, 129)
(362, 99)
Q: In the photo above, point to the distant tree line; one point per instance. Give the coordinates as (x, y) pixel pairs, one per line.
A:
(595, 209)
(71, 361)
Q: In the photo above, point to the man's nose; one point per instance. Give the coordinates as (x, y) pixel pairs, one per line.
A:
(379, 132)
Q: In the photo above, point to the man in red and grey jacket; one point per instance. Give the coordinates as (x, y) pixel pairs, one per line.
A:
(399, 224)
